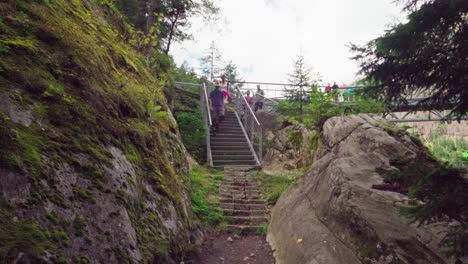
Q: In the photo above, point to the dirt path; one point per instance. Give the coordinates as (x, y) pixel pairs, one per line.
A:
(225, 248)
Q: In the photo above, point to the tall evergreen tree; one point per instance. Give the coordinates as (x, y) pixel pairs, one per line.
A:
(212, 63)
(427, 55)
(300, 79)
(230, 70)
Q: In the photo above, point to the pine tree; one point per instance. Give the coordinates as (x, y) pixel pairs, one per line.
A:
(300, 79)
(427, 55)
(230, 70)
(212, 63)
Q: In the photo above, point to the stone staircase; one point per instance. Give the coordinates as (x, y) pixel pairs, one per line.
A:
(240, 200)
(229, 146)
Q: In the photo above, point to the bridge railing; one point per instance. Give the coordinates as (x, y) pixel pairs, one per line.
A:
(250, 124)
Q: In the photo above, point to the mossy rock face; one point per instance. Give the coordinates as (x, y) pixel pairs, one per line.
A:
(98, 172)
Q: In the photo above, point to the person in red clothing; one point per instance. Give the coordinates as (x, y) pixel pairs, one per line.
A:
(249, 98)
(328, 88)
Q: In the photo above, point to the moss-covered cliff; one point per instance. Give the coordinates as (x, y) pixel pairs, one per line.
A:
(92, 167)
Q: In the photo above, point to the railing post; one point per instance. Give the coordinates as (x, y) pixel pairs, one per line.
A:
(261, 144)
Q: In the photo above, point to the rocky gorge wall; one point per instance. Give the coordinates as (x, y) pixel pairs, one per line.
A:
(92, 168)
(332, 214)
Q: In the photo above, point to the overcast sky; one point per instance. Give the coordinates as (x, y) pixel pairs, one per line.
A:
(262, 37)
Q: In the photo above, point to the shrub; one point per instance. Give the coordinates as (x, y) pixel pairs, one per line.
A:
(193, 133)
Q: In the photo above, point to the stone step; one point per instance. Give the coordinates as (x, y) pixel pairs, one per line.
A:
(240, 212)
(237, 192)
(225, 183)
(230, 188)
(241, 201)
(239, 182)
(238, 197)
(243, 229)
(248, 220)
(234, 162)
(239, 206)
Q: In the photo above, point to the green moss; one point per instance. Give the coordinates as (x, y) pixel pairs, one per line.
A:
(90, 90)
(84, 195)
(21, 236)
(204, 187)
(79, 226)
(263, 229)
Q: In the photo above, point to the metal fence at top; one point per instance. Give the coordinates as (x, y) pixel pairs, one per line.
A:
(250, 124)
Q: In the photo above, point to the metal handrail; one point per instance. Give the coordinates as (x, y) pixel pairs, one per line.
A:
(207, 105)
(248, 106)
(207, 121)
(250, 124)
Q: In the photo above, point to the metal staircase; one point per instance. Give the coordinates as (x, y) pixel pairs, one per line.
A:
(239, 140)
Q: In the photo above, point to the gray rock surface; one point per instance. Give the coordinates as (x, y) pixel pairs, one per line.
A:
(332, 215)
(287, 149)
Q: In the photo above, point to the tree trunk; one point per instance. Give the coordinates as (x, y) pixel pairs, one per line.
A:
(171, 35)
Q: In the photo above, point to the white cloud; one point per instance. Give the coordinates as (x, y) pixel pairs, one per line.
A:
(263, 37)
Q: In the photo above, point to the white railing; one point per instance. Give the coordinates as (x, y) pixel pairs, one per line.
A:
(249, 123)
(205, 107)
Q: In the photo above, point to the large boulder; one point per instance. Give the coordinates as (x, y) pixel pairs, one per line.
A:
(333, 215)
(288, 149)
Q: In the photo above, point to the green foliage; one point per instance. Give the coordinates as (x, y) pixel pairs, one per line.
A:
(186, 74)
(204, 187)
(155, 111)
(263, 231)
(442, 192)
(425, 56)
(321, 106)
(79, 225)
(193, 133)
(454, 151)
(72, 65)
(84, 195)
(54, 90)
(272, 186)
(300, 79)
(20, 236)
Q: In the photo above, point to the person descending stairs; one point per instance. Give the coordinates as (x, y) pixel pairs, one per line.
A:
(229, 145)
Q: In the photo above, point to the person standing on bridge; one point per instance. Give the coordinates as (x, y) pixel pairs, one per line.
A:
(216, 107)
(259, 98)
(336, 91)
(249, 98)
(328, 88)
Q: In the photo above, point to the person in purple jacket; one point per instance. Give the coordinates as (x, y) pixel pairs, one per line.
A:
(216, 106)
